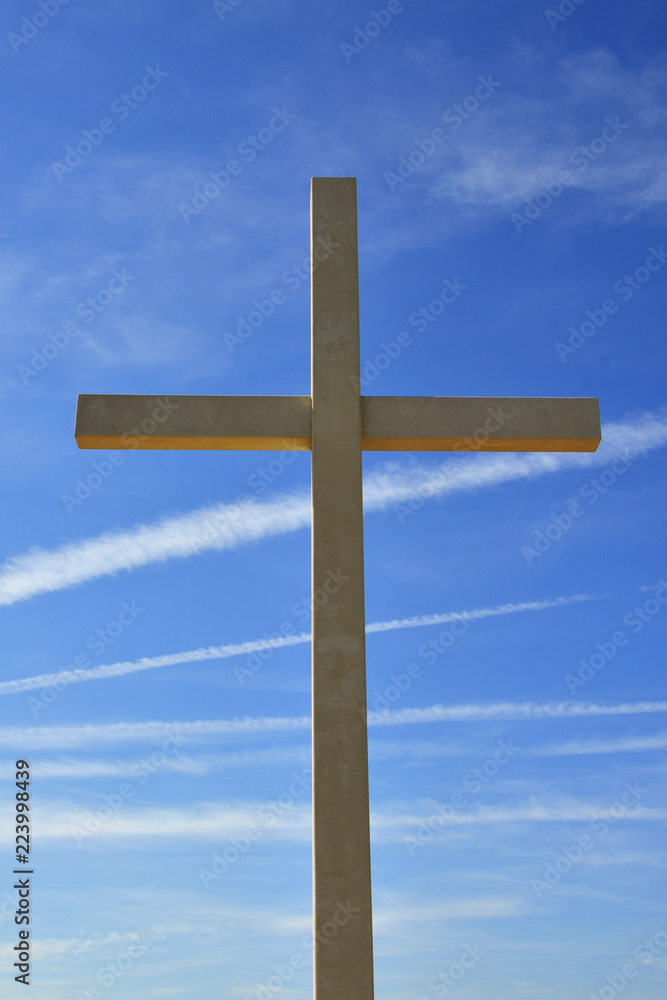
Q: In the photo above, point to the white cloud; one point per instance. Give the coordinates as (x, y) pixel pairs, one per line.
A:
(149, 662)
(409, 752)
(631, 744)
(389, 919)
(206, 820)
(55, 737)
(202, 764)
(218, 821)
(474, 615)
(76, 945)
(496, 163)
(395, 820)
(510, 711)
(226, 526)
(81, 944)
(61, 737)
(64, 677)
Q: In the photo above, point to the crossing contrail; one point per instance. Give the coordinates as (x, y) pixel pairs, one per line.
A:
(62, 678)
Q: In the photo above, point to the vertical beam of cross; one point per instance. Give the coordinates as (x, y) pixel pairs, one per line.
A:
(341, 838)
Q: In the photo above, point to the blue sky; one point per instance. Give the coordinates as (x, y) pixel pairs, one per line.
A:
(517, 778)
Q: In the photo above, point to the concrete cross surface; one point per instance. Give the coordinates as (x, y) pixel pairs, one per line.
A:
(336, 424)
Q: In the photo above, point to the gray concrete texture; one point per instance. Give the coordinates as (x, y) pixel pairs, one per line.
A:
(388, 423)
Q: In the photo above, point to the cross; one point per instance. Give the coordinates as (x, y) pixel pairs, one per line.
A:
(336, 424)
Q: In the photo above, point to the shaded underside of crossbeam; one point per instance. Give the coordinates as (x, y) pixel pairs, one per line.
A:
(389, 423)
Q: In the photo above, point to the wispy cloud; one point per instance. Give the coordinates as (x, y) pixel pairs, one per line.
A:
(76, 945)
(55, 737)
(497, 163)
(510, 712)
(408, 752)
(393, 918)
(630, 744)
(199, 765)
(572, 810)
(398, 483)
(223, 526)
(255, 645)
(219, 820)
(150, 662)
(59, 737)
(81, 944)
(226, 526)
(206, 820)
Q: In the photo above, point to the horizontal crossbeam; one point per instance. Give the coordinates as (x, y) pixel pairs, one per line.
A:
(253, 423)
(476, 423)
(389, 423)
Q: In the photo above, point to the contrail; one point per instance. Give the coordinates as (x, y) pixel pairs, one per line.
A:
(60, 737)
(227, 526)
(62, 678)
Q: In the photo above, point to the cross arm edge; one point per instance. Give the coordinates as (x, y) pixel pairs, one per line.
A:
(148, 422)
(479, 423)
